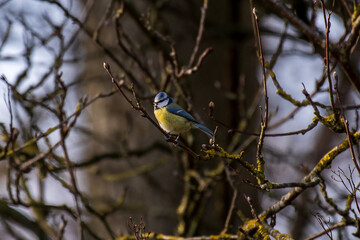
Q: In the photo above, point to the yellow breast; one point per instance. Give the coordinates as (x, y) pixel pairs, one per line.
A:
(171, 123)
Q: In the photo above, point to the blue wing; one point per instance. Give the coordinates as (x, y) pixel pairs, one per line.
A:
(181, 112)
(205, 130)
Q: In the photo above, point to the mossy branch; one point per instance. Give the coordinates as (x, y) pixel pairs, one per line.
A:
(324, 162)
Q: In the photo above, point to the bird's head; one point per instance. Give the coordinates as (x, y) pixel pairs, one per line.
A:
(161, 100)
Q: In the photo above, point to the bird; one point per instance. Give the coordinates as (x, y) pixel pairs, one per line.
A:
(173, 119)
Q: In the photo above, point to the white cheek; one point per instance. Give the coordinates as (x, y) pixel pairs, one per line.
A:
(163, 104)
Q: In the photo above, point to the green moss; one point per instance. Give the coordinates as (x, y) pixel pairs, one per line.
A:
(283, 236)
(169, 237)
(355, 14)
(325, 161)
(335, 124)
(126, 237)
(289, 98)
(256, 230)
(271, 73)
(281, 92)
(349, 201)
(220, 152)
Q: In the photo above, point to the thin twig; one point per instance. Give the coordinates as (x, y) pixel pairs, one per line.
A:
(312, 183)
(264, 122)
(327, 58)
(62, 228)
(64, 130)
(190, 71)
(301, 131)
(106, 16)
(266, 115)
(346, 7)
(233, 201)
(324, 225)
(107, 50)
(251, 204)
(82, 105)
(200, 33)
(25, 165)
(335, 226)
(129, 51)
(10, 144)
(353, 157)
(308, 97)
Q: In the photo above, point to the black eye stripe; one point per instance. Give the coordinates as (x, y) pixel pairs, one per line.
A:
(160, 101)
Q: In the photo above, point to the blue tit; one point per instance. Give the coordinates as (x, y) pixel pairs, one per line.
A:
(173, 119)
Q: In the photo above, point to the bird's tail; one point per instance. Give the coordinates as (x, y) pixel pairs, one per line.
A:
(204, 129)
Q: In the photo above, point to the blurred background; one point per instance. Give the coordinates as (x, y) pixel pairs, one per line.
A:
(80, 149)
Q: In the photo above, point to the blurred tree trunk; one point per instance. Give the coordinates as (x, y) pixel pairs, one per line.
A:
(228, 30)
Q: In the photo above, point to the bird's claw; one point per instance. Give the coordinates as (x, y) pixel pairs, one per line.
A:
(169, 136)
(176, 141)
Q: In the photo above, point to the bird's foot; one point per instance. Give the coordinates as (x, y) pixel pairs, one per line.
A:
(169, 138)
(176, 141)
